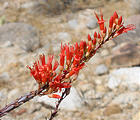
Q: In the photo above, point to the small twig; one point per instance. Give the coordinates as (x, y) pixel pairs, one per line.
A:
(64, 94)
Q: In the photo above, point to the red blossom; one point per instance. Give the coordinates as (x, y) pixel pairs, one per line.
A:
(120, 20)
(94, 41)
(89, 37)
(54, 96)
(100, 21)
(111, 22)
(115, 17)
(55, 65)
(68, 55)
(75, 70)
(125, 29)
(95, 34)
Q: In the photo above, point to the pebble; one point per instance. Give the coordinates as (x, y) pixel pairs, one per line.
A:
(92, 23)
(125, 77)
(13, 94)
(29, 4)
(6, 44)
(126, 98)
(22, 35)
(4, 77)
(136, 116)
(63, 37)
(134, 5)
(101, 69)
(112, 109)
(73, 24)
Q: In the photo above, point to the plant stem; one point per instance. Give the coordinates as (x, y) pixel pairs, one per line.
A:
(64, 94)
(18, 102)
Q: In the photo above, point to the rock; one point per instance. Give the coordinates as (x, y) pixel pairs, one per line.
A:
(134, 5)
(124, 77)
(64, 36)
(101, 88)
(92, 23)
(72, 102)
(3, 96)
(101, 69)
(39, 7)
(136, 116)
(134, 19)
(4, 77)
(55, 41)
(112, 109)
(6, 44)
(86, 20)
(104, 52)
(89, 94)
(14, 94)
(30, 4)
(5, 5)
(20, 34)
(126, 98)
(122, 53)
(73, 24)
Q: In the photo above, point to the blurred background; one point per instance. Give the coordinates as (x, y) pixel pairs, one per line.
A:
(106, 89)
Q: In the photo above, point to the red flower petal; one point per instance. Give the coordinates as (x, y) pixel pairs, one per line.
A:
(54, 96)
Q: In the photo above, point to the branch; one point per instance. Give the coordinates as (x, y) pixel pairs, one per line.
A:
(18, 102)
(64, 94)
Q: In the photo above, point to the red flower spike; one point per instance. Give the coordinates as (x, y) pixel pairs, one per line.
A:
(120, 20)
(100, 22)
(62, 59)
(68, 55)
(71, 51)
(94, 41)
(42, 58)
(115, 15)
(82, 46)
(62, 49)
(55, 65)
(76, 60)
(95, 34)
(75, 70)
(111, 22)
(49, 62)
(89, 37)
(99, 36)
(76, 48)
(89, 48)
(104, 30)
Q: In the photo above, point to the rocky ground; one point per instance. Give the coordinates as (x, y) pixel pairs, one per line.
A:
(106, 89)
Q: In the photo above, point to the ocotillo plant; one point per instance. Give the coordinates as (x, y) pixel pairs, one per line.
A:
(54, 75)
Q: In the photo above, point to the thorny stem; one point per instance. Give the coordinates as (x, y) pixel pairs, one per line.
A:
(64, 94)
(23, 99)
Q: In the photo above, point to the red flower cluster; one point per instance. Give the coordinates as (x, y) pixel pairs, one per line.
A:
(57, 75)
